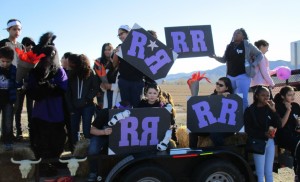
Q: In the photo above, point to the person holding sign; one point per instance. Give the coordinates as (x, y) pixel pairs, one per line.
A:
(131, 81)
(223, 87)
(99, 140)
(169, 100)
(155, 98)
(241, 58)
(288, 137)
(261, 122)
(100, 132)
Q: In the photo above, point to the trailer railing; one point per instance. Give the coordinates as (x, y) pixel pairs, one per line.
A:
(293, 81)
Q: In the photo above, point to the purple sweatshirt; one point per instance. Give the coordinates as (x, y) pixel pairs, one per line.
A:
(51, 108)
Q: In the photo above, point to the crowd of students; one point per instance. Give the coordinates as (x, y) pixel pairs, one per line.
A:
(65, 96)
(59, 98)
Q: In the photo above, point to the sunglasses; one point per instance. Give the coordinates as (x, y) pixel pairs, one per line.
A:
(120, 34)
(219, 84)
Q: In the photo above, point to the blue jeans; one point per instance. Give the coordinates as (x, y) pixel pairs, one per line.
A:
(241, 84)
(264, 163)
(131, 91)
(86, 113)
(96, 145)
(7, 112)
(109, 95)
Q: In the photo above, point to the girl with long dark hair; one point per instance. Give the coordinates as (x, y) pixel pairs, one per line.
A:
(83, 87)
(261, 122)
(288, 137)
(109, 94)
(223, 87)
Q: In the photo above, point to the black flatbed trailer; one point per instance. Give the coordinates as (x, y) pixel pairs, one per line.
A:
(180, 164)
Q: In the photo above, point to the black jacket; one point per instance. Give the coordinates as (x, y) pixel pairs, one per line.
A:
(81, 92)
(258, 119)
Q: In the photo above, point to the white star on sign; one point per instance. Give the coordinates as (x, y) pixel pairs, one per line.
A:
(152, 45)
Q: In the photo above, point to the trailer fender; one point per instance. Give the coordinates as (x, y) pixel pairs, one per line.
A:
(117, 167)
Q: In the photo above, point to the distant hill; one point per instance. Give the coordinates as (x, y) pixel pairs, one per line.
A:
(218, 72)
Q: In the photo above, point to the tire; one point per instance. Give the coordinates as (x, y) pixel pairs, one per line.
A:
(147, 173)
(215, 171)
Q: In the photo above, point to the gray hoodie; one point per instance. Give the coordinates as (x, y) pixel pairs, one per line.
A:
(253, 56)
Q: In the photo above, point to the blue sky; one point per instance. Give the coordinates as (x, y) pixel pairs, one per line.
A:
(83, 26)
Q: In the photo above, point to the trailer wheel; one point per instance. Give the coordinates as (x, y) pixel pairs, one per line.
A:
(215, 171)
(147, 173)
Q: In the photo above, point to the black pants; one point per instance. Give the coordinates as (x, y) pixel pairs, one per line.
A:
(49, 139)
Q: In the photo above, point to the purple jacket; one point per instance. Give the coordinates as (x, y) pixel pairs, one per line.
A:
(50, 108)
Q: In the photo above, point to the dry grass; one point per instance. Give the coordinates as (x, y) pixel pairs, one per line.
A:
(181, 92)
